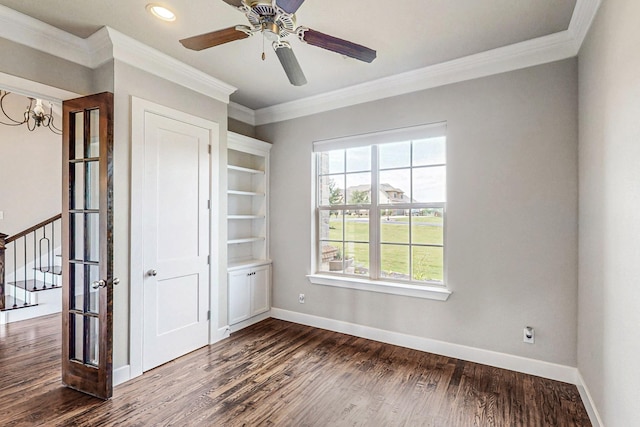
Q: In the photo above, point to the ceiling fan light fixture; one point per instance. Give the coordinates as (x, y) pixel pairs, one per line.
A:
(271, 31)
(161, 12)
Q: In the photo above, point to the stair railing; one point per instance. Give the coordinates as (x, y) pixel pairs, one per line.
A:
(36, 245)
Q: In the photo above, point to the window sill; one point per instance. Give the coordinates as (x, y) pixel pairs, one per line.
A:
(417, 291)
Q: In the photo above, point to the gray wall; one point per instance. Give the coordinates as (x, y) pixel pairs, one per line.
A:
(241, 128)
(609, 304)
(512, 213)
(130, 81)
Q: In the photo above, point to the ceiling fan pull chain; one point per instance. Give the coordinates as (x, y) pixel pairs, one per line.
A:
(264, 55)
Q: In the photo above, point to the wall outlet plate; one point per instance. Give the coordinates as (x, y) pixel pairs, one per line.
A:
(301, 298)
(529, 335)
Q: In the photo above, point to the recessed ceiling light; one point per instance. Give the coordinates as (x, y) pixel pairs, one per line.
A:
(161, 12)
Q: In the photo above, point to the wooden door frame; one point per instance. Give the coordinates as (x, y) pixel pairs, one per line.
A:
(217, 242)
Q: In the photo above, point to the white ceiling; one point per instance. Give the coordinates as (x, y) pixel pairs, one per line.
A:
(407, 34)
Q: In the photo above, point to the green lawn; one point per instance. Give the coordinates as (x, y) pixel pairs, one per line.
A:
(427, 261)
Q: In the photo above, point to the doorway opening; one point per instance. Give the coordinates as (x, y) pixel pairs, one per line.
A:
(30, 207)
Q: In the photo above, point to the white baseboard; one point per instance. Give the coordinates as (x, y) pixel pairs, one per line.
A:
(525, 365)
(589, 404)
(121, 375)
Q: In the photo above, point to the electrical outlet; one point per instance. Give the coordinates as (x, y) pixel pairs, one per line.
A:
(529, 335)
(1, 214)
(301, 298)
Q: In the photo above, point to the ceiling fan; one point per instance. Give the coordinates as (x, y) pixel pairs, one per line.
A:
(276, 19)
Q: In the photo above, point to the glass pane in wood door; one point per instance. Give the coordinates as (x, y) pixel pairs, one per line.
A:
(76, 286)
(77, 149)
(92, 199)
(93, 147)
(93, 341)
(76, 325)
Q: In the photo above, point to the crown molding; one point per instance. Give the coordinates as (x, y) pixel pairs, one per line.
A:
(542, 50)
(101, 47)
(139, 55)
(581, 20)
(104, 45)
(28, 31)
(242, 113)
(537, 51)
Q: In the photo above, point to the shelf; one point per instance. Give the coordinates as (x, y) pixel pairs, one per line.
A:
(245, 240)
(247, 191)
(239, 265)
(244, 193)
(247, 170)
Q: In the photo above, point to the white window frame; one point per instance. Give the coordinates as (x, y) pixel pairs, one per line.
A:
(428, 290)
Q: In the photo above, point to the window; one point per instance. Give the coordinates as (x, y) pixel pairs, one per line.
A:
(380, 208)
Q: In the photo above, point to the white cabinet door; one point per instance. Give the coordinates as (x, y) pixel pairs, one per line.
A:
(239, 296)
(260, 290)
(249, 293)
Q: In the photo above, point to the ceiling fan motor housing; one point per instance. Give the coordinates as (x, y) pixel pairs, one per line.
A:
(266, 15)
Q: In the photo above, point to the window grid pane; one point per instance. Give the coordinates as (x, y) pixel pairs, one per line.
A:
(410, 206)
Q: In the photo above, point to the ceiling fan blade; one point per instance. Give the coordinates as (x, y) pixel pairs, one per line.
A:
(289, 6)
(335, 44)
(290, 63)
(234, 3)
(215, 38)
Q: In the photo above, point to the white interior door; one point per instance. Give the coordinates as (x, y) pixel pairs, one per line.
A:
(176, 239)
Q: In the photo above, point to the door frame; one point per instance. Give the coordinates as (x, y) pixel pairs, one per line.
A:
(139, 107)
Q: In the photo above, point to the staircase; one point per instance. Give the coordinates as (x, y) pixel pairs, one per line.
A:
(30, 274)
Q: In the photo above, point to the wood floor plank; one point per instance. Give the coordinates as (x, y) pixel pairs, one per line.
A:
(278, 373)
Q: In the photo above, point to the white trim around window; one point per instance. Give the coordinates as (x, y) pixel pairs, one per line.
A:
(368, 275)
(438, 293)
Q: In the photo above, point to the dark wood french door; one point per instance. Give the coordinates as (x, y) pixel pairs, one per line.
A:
(87, 251)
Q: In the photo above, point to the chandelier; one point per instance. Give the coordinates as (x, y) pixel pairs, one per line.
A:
(34, 116)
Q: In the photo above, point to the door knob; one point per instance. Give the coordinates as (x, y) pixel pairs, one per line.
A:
(103, 284)
(152, 273)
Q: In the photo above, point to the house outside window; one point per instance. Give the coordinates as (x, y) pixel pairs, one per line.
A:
(381, 206)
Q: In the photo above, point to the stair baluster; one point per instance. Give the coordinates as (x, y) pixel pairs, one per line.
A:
(19, 292)
(27, 300)
(2, 261)
(15, 255)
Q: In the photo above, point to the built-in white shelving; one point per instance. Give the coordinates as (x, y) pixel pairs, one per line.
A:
(248, 263)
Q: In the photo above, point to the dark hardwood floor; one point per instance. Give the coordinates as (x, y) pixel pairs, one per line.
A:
(277, 373)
